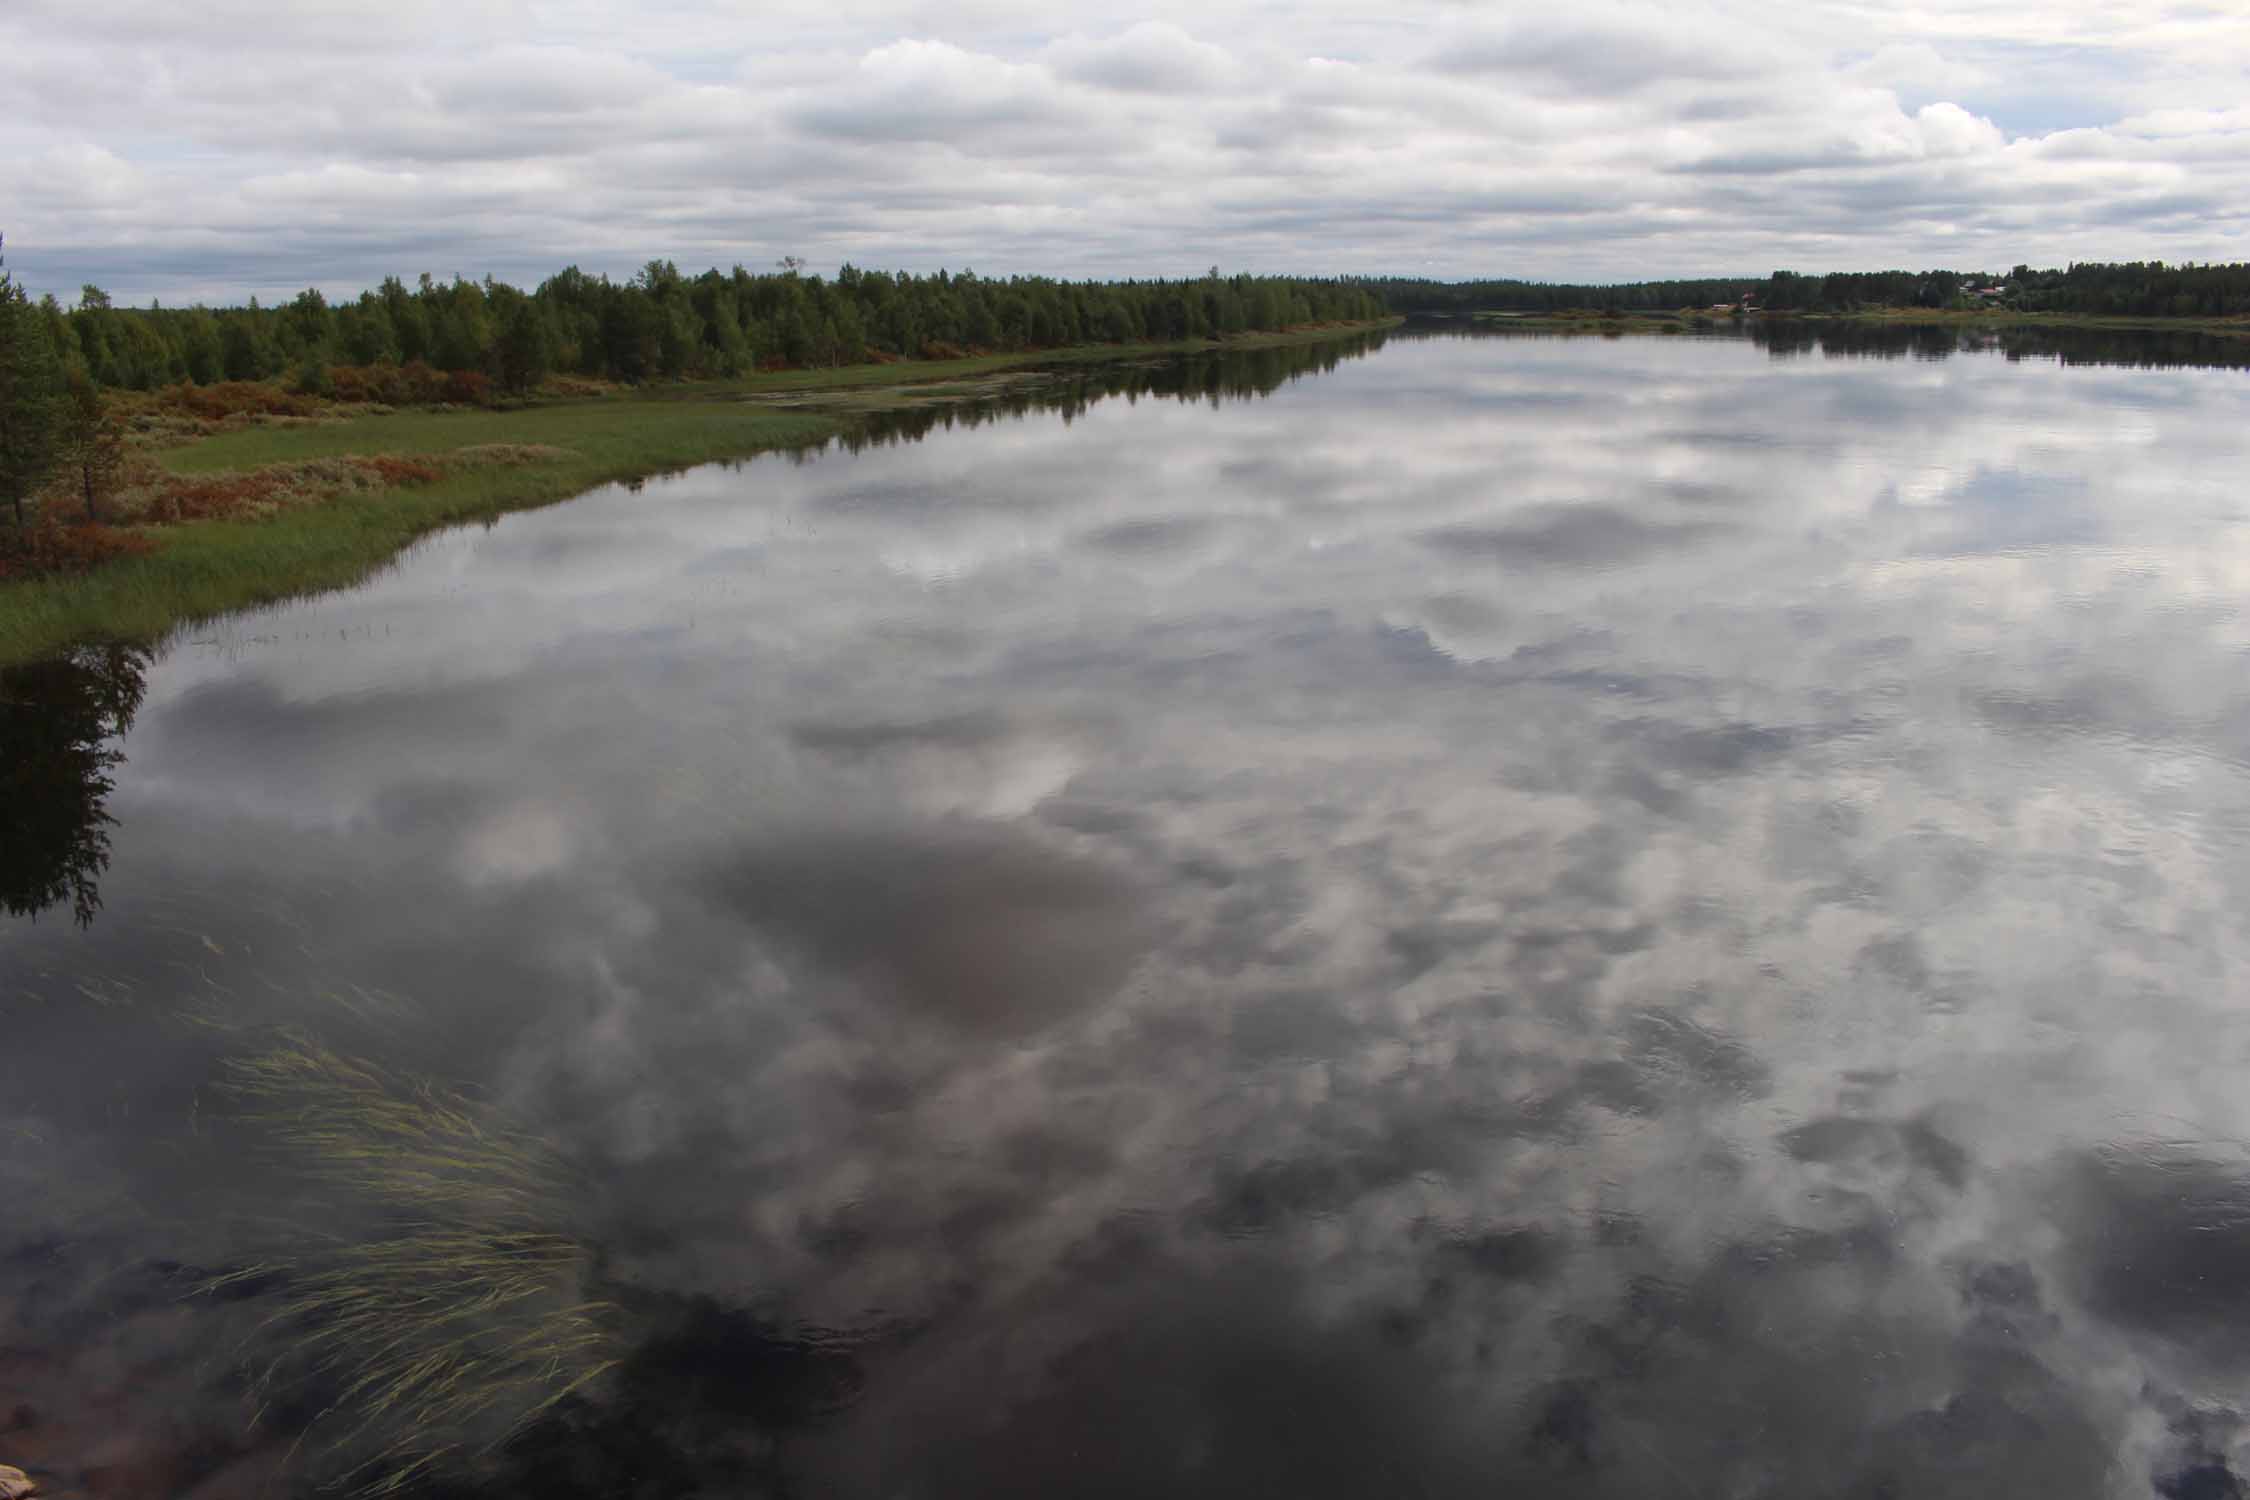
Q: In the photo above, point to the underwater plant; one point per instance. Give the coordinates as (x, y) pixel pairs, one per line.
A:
(426, 1288)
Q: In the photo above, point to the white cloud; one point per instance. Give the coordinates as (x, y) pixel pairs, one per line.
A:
(81, 175)
(1153, 57)
(1950, 130)
(2189, 122)
(1918, 68)
(232, 150)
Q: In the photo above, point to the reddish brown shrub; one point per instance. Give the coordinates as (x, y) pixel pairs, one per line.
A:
(237, 398)
(411, 384)
(221, 495)
(418, 384)
(358, 385)
(48, 548)
(395, 471)
(468, 388)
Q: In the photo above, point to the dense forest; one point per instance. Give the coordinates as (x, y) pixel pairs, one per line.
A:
(663, 324)
(2131, 288)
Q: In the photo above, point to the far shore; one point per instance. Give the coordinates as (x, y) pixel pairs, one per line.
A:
(1657, 320)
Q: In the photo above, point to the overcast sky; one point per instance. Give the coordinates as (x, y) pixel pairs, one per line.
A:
(238, 146)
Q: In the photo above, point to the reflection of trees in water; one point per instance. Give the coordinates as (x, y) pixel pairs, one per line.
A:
(1790, 338)
(1218, 377)
(59, 719)
(2138, 348)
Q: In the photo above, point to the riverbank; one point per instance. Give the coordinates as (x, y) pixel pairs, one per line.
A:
(552, 450)
(1996, 318)
(1692, 319)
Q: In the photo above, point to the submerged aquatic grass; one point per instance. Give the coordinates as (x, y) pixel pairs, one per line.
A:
(440, 1307)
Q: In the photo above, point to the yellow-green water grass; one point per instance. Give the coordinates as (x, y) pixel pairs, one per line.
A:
(442, 1304)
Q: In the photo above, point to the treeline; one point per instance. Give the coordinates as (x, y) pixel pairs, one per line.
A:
(1406, 295)
(2145, 289)
(2131, 288)
(1783, 290)
(663, 324)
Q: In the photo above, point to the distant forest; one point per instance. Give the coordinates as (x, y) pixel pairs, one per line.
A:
(482, 336)
(663, 324)
(2129, 288)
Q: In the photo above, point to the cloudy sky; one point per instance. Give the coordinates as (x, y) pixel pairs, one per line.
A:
(247, 145)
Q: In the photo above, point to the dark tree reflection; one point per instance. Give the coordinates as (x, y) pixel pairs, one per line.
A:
(60, 720)
(1214, 377)
(1787, 338)
(2135, 348)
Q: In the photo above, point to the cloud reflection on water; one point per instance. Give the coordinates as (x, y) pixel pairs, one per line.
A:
(1677, 933)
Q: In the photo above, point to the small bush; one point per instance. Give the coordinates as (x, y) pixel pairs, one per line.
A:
(411, 384)
(171, 498)
(220, 495)
(395, 471)
(468, 388)
(237, 398)
(354, 384)
(47, 549)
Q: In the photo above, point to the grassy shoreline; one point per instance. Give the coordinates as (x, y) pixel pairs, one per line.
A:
(2000, 317)
(203, 569)
(1657, 321)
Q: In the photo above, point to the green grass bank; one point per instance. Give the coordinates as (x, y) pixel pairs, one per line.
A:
(202, 569)
(208, 568)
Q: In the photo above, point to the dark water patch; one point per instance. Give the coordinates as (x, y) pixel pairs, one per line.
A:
(1673, 1049)
(1285, 1024)
(2161, 1244)
(705, 1403)
(960, 924)
(1528, 1253)
(966, 731)
(1249, 1391)
(1156, 537)
(1724, 750)
(1860, 1147)
(1577, 536)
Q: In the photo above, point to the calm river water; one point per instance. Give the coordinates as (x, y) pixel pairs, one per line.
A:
(1472, 915)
